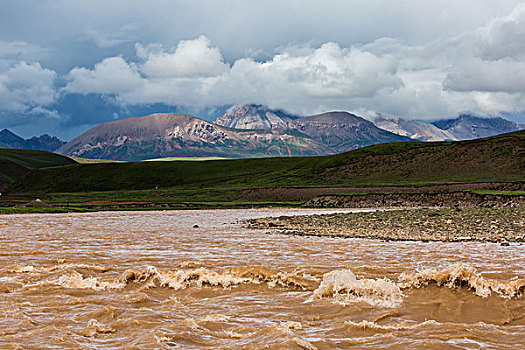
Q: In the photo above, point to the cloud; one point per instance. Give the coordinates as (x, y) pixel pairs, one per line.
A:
(191, 58)
(474, 74)
(493, 57)
(105, 39)
(25, 86)
(476, 70)
(111, 76)
(504, 37)
(195, 74)
(20, 50)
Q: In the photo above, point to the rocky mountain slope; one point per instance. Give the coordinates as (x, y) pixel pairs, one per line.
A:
(178, 135)
(414, 129)
(252, 116)
(343, 131)
(339, 131)
(466, 127)
(44, 142)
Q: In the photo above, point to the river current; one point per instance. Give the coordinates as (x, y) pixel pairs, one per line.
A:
(200, 279)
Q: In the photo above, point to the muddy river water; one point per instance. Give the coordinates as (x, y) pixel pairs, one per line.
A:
(150, 280)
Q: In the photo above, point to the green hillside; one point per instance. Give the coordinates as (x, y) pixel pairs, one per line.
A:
(14, 163)
(494, 159)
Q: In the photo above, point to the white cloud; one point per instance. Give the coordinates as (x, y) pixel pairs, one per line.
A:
(476, 71)
(195, 74)
(191, 58)
(111, 76)
(504, 37)
(25, 86)
(505, 75)
(20, 50)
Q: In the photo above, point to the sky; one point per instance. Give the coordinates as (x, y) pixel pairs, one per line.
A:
(66, 66)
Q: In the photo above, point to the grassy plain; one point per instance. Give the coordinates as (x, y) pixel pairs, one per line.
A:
(231, 183)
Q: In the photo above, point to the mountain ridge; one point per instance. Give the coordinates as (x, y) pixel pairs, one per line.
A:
(467, 126)
(44, 142)
(343, 131)
(416, 130)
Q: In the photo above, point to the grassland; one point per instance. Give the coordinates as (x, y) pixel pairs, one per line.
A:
(14, 163)
(213, 183)
(195, 159)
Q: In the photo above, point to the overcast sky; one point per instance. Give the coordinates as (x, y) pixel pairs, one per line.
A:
(66, 66)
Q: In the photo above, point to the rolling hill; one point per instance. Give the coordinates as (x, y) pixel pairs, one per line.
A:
(14, 163)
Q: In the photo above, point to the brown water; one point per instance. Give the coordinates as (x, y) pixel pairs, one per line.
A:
(151, 280)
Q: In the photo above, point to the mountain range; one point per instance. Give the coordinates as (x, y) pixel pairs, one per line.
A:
(464, 127)
(258, 132)
(254, 131)
(44, 142)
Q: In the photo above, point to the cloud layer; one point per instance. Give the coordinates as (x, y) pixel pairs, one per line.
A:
(409, 59)
(481, 71)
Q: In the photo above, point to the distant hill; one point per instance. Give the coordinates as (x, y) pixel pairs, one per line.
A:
(44, 142)
(176, 135)
(467, 127)
(495, 159)
(15, 163)
(416, 130)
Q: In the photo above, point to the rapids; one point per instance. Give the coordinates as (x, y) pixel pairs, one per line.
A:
(200, 279)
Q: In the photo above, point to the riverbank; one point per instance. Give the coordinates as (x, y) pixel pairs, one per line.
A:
(503, 224)
(458, 199)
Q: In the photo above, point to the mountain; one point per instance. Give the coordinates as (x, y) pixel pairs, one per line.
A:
(252, 116)
(414, 129)
(44, 142)
(178, 135)
(11, 140)
(343, 131)
(14, 163)
(466, 127)
(339, 131)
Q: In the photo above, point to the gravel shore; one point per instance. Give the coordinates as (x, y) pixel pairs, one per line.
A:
(501, 225)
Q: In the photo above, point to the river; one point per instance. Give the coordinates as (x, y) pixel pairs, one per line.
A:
(200, 279)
